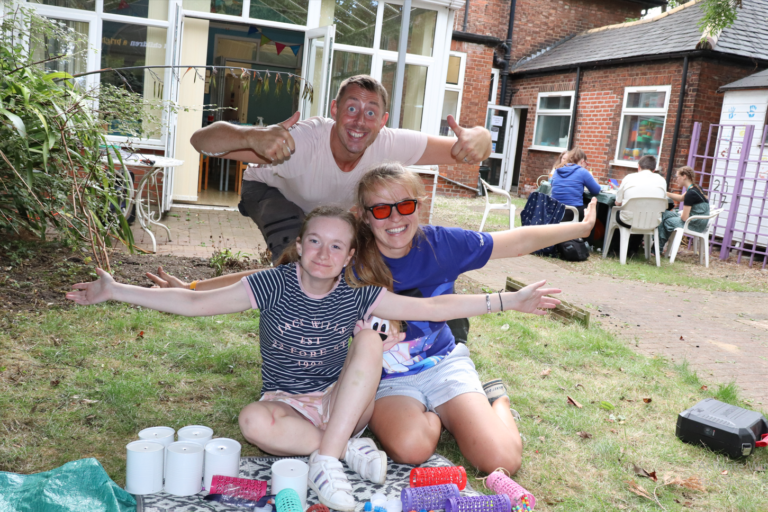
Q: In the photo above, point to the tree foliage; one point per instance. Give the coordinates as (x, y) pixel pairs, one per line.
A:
(718, 14)
(52, 140)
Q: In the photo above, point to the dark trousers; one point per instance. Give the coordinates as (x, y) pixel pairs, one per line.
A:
(278, 219)
(568, 217)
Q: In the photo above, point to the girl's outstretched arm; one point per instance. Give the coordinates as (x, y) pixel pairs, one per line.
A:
(531, 299)
(525, 240)
(231, 299)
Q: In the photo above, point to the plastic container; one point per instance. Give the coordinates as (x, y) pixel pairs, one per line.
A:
(500, 483)
(432, 497)
(497, 503)
(423, 477)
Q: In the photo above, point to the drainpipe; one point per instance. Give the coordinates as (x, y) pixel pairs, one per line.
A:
(466, 12)
(508, 54)
(677, 121)
(572, 130)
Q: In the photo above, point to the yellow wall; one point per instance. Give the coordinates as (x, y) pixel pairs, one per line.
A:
(193, 51)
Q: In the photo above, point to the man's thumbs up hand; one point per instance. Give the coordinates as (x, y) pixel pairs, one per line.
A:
(274, 143)
(473, 144)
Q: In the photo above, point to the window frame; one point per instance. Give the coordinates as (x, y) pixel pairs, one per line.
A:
(495, 86)
(552, 113)
(639, 112)
(456, 88)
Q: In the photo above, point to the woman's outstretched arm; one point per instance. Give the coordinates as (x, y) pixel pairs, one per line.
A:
(231, 299)
(531, 299)
(166, 280)
(525, 240)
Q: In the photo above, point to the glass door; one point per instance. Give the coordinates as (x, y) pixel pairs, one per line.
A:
(177, 29)
(498, 121)
(318, 55)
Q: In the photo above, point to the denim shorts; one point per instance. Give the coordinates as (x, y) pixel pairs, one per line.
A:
(451, 377)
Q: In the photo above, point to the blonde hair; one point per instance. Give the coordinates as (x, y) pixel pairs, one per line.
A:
(369, 264)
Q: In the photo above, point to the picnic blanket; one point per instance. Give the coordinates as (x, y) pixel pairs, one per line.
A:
(259, 468)
(80, 485)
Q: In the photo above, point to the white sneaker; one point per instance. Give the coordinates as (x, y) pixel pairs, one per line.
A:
(327, 479)
(366, 460)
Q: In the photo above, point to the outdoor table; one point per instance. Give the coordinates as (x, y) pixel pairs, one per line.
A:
(155, 166)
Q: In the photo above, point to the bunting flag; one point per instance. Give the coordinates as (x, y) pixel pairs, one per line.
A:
(280, 46)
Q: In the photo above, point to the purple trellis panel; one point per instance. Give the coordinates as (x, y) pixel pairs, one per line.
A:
(734, 173)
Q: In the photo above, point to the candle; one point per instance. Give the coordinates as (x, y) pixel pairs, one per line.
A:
(196, 434)
(185, 468)
(162, 435)
(291, 474)
(144, 467)
(222, 457)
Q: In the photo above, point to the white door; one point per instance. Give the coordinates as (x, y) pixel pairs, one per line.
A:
(498, 121)
(177, 28)
(318, 55)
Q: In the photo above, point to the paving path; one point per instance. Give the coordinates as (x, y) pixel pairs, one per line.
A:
(724, 334)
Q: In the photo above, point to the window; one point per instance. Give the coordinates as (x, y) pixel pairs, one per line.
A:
(128, 45)
(290, 11)
(421, 30)
(414, 87)
(553, 121)
(494, 88)
(642, 124)
(454, 83)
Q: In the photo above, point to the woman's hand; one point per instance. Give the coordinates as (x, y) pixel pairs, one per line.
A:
(532, 299)
(93, 292)
(590, 215)
(165, 280)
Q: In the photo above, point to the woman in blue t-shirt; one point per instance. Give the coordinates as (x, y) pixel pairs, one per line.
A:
(429, 381)
(569, 181)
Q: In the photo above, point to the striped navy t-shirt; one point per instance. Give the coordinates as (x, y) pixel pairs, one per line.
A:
(304, 337)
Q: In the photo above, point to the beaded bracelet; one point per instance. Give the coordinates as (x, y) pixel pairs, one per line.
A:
(488, 301)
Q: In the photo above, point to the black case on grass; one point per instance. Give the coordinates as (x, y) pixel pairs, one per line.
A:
(722, 427)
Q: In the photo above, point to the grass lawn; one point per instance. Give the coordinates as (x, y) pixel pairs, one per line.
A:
(726, 276)
(81, 382)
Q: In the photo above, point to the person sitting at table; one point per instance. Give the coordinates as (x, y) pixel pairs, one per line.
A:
(569, 181)
(695, 203)
(645, 178)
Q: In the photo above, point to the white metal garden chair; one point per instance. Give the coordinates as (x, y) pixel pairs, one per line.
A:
(646, 217)
(497, 206)
(700, 239)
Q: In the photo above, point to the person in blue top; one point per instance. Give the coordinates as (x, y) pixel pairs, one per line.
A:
(569, 181)
(428, 379)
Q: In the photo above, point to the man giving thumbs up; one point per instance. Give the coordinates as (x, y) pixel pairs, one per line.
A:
(305, 164)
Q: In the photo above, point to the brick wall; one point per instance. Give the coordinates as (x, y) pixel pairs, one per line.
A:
(600, 104)
(474, 103)
(538, 24)
(541, 23)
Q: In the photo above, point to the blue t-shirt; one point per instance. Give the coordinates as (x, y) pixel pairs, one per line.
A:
(568, 185)
(428, 270)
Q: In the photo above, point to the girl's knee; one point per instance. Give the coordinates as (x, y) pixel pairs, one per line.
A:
(256, 421)
(509, 457)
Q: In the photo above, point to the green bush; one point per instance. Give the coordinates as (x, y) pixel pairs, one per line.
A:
(52, 139)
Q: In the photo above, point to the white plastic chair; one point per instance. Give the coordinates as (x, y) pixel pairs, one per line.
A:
(497, 206)
(575, 214)
(700, 239)
(646, 217)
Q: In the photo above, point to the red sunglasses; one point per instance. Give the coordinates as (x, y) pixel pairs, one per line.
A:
(384, 211)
